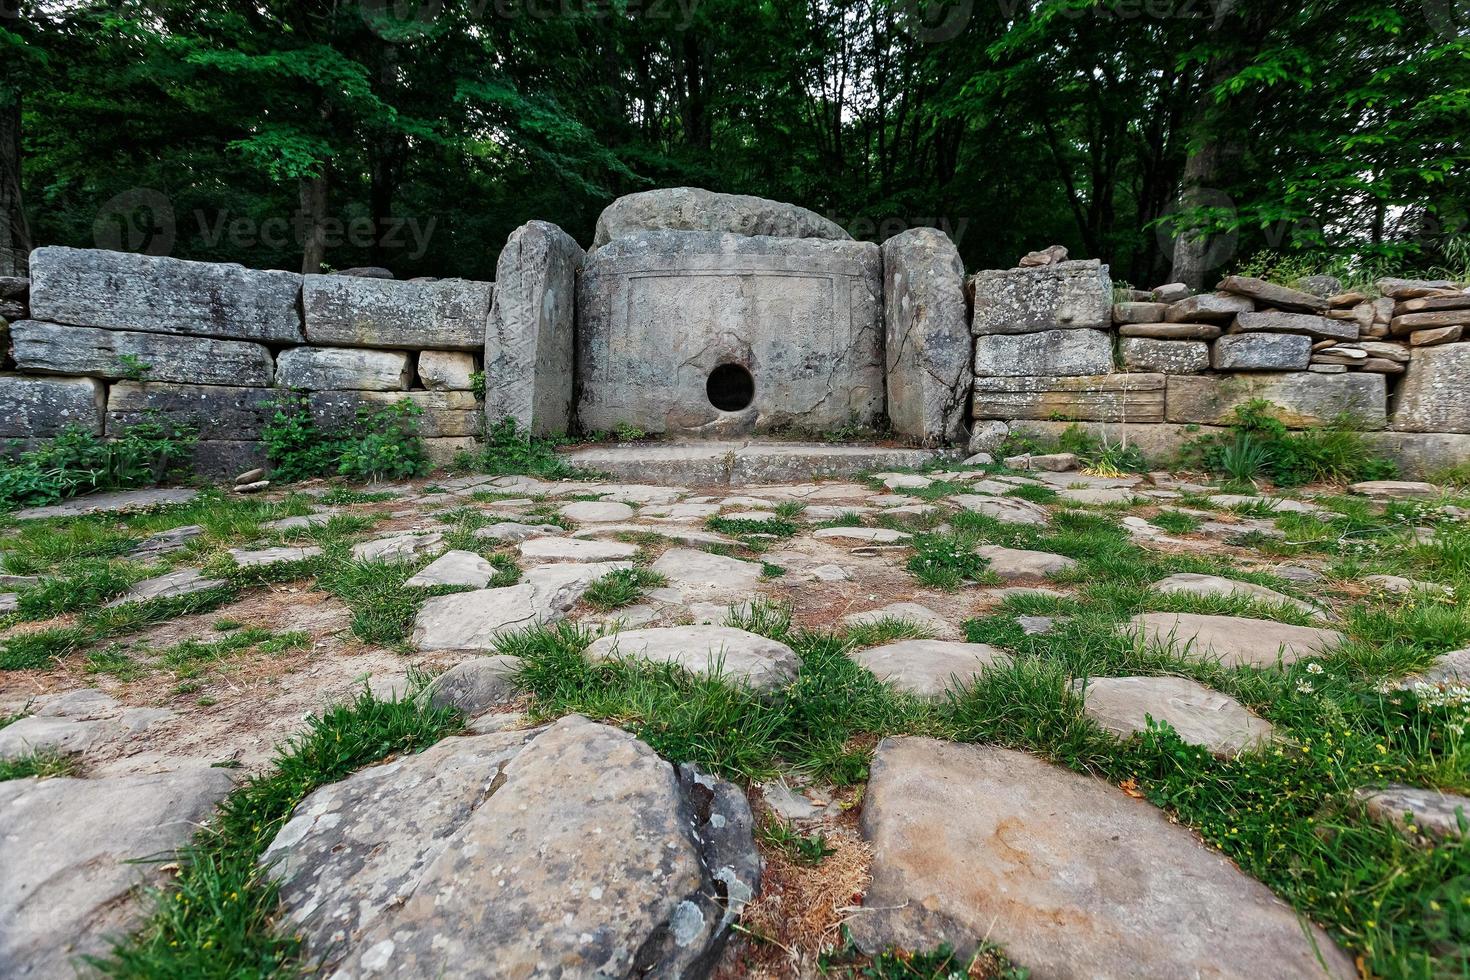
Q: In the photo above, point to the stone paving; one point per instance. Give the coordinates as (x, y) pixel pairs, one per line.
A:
(606, 859)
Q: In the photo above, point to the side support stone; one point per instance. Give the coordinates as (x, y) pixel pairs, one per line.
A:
(926, 336)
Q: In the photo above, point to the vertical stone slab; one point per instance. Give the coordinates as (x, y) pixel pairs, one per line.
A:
(926, 336)
(1435, 393)
(703, 334)
(529, 339)
(157, 294)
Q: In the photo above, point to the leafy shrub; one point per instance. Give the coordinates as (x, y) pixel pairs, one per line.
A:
(1260, 443)
(77, 462)
(508, 451)
(383, 443)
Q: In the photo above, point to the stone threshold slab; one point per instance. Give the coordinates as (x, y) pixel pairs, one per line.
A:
(736, 463)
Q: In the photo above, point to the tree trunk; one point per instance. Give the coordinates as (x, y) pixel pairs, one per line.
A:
(313, 222)
(15, 233)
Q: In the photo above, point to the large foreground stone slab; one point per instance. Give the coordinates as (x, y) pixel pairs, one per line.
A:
(128, 291)
(570, 851)
(1095, 398)
(448, 314)
(51, 348)
(528, 343)
(1071, 876)
(1201, 716)
(75, 723)
(1432, 395)
(1234, 641)
(1303, 400)
(929, 668)
(38, 408)
(696, 209)
(926, 336)
(1047, 352)
(1067, 295)
(71, 850)
(795, 325)
(702, 575)
(328, 368)
(112, 502)
(735, 655)
(1013, 563)
(214, 412)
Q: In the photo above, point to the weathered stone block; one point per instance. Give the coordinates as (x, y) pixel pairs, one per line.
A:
(447, 314)
(1274, 321)
(32, 408)
(445, 413)
(1209, 308)
(442, 451)
(1050, 352)
(1160, 442)
(331, 368)
(794, 327)
(1273, 295)
(157, 294)
(1068, 295)
(213, 411)
(1165, 356)
(446, 370)
(1303, 399)
(1262, 352)
(696, 209)
(1422, 454)
(1100, 398)
(1171, 331)
(1434, 395)
(529, 348)
(1139, 312)
(926, 336)
(53, 348)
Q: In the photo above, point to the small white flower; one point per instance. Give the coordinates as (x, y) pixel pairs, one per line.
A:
(1305, 688)
(1314, 668)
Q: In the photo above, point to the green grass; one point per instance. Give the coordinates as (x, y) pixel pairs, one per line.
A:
(800, 848)
(622, 587)
(1176, 522)
(948, 560)
(988, 962)
(191, 658)
(39, 764)
(216, 919)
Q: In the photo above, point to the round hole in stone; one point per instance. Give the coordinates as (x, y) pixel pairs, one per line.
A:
(730, 388)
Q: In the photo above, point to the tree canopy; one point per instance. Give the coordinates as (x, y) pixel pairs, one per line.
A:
(417, 133)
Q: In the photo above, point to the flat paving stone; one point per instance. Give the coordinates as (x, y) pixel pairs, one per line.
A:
(685, 511)
(1420, 812)
(1020, 563)
(575, 549)
(595, 511)
(454, 568)
(1394, 489)
(1189, 583)
(909, 612)
(266, 557)
(743, 463)
(1072, 877)
(1201, 716)
(741, 657)
(513, 532)
(1095, 496)
(1279, 505)
(1007, 510)
(672, 532)
(9, 602)
(398, 547)
(71, 851)
(928, 668)
(300, 522)
(114, 502)
(76, 723)
(1233, 641)
(1446, 670)
(1399, 585)
(701, 575)
(640, 493)
(180, 582)
(476, 621)
(165, 542)
(475, 686)
(867, 535)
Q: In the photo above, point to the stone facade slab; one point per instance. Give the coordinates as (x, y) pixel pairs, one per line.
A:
(1098, 398)
(355, 312)
(52, 348)
(1304, 399)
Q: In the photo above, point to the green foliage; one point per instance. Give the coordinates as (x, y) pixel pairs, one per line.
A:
(509, 451)
(799, 848)
(1260, 444)
(1100, 456)
(947, 561)
(82, 584)
(216, 917)
(134, 367)
(622, 587)
(77, 462)
(381, 444)
(43, 765)
(987, 963)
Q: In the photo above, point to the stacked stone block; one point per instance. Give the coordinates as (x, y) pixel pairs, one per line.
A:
(104, 340)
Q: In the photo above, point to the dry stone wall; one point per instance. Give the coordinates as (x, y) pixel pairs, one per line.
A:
(104, 340)
(1055, 346)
